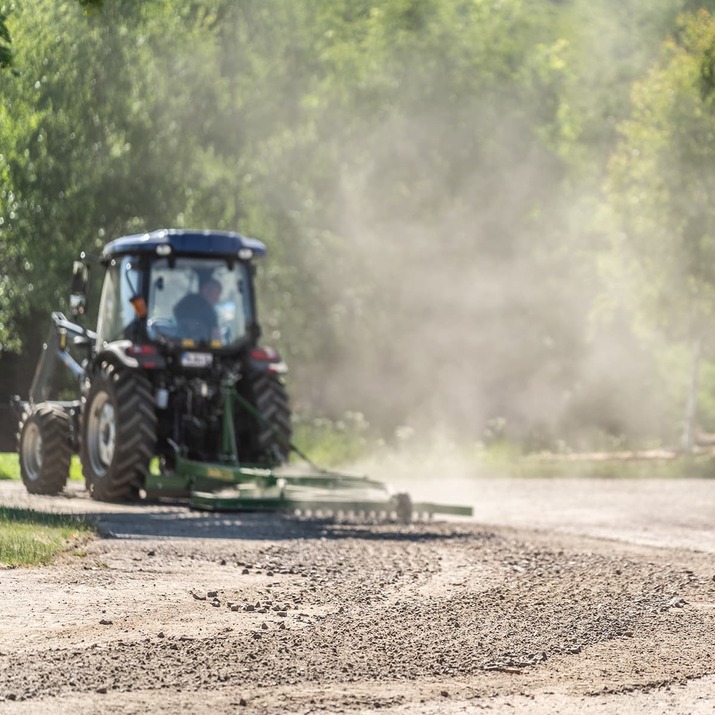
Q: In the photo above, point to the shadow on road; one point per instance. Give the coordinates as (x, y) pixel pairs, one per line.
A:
(173, 519)
(181, 522)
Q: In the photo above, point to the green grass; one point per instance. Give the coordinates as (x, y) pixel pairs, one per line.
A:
(679, 467)
(331, 443)
(504, 459)
(10, 467)
(31, 538)
(335, 443)
(609, 468)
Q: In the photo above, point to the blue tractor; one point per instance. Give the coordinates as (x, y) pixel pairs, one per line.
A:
(176, 345)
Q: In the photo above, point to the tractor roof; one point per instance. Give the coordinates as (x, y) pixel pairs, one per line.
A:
(186, 242)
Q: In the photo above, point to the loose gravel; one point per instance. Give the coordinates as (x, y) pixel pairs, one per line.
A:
(275, 614)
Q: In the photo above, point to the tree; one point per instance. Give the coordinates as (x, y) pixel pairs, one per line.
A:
(662, 190)
(416, 167)
(6, 54)
(99, 138)
(5, 42)
(429, 177)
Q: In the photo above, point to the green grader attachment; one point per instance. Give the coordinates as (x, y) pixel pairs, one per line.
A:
(230, 486)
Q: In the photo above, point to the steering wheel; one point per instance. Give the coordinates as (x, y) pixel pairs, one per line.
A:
(161, 326)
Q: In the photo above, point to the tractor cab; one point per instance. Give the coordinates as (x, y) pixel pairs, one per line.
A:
(179, 288)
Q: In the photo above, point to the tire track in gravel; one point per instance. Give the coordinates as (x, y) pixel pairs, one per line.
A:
(362, 607)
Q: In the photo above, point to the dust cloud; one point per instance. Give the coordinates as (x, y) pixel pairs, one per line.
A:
(436, 469)
(462, 293)
(454, 314)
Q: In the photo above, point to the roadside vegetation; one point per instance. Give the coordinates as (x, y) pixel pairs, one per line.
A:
(31, 538)
(10, 467)
(351, 441)
(475, 211)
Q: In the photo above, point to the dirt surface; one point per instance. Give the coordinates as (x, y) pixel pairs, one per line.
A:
(560, 596)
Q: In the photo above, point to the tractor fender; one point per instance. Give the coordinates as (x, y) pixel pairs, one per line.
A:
(130, 355)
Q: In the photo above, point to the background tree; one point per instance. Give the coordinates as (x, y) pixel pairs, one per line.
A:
(662, 188)
(5, 42)
(426, 175)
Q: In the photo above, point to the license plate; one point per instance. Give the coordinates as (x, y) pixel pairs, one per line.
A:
(197, 359)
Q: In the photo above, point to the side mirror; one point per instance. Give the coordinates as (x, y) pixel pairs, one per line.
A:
(78, 289)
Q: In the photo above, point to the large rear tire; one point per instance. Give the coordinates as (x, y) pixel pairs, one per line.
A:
(266, 439)
(44, 445)
(118, 433)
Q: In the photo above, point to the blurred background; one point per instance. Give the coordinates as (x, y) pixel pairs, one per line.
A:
(490, 223)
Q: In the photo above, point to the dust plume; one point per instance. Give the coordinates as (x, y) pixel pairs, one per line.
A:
(460, 290)
(453, 313)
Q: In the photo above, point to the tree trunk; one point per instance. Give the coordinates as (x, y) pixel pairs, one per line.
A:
(691, 407)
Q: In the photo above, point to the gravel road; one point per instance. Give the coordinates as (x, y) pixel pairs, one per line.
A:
(565, 596)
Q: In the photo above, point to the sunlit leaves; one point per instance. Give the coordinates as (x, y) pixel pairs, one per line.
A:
(412, 164)
(99, 139)
(662, 181)
(5, 42)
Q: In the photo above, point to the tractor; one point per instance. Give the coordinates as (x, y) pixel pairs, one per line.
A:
(175, 397)
(152, 373)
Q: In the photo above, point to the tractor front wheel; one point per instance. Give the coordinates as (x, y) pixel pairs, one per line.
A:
(44, 446)
(118, 433)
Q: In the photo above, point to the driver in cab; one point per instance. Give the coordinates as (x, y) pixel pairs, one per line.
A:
(199, 309)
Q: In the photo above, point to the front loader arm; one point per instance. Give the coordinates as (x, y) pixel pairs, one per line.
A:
(61, 335)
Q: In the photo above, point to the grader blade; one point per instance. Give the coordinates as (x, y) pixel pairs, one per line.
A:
(300, 500)
(232, 487)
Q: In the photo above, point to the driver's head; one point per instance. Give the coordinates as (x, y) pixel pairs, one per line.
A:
(210, 290)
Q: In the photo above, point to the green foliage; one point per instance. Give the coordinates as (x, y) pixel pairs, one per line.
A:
(9, 467)
(426, 174)
(30, 538)
(661, 187)
(702, 466)
(5, 42)
(91, 149)
(662, 180)
(6, 54)
(330, 443)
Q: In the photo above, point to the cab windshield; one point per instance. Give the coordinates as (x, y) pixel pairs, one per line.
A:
(203, 300)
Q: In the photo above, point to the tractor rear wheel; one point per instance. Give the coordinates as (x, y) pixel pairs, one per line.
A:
(44, 445)
(264, 439)
(118, 433)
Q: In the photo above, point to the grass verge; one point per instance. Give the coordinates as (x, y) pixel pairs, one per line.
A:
(32, 538)
(337, 443)
(331, 443)
(349, 440)
(546, 468)
(505, 460)
(10, 467)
